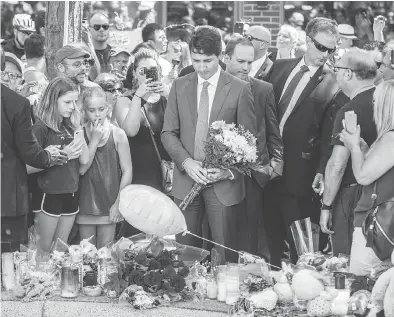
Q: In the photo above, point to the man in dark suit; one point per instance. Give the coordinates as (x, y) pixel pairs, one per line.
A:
(239, 55)
(18, 148)
(261, 40)
(304, 89)
(195, 101)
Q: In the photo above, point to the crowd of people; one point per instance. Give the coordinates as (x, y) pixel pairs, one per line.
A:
(72, 143)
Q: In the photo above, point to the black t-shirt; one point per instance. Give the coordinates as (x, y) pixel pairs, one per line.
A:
(58, 179)
(103, 57)
(362, 105)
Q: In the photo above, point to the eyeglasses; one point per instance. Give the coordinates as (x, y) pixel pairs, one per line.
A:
(323, 48)
(97, 27)
(114, 90)
(10, 75)
(337, 68)
(251, 38)
(86, 63)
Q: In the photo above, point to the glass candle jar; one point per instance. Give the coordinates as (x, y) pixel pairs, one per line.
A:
(232, 284)
(69, 281)
(221, 283)
(212, 288)
(8, 273)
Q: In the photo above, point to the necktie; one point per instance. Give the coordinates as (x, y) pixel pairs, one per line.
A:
(202, 124)
(286, 98)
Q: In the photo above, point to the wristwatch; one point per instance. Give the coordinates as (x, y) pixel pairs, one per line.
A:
(324, 206)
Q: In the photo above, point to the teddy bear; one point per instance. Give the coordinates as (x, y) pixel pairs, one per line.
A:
(383, 293)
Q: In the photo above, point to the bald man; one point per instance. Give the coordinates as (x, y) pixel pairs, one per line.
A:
(261, 40)
(99, 29)
(356, 72)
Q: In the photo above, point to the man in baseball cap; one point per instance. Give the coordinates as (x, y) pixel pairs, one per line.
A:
(74, 61)
(119, 60)
(346, 33)
(23, 27)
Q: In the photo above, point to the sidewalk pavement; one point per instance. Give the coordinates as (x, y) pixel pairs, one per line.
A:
(104, 307)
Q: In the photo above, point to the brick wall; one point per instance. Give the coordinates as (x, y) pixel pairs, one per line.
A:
(271, 17)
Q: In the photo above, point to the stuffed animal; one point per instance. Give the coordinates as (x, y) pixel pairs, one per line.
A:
(307, 284)
(320, 306)
(383, 293)
(283, 289)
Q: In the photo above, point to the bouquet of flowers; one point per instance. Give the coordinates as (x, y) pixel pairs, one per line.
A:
(228, 147)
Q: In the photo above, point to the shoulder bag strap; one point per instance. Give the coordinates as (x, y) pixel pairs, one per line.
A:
(152, 134)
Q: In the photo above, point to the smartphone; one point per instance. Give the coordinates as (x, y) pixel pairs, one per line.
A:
(152, 73)
(351, 121)
(78, 136)
(239, 28)
(392, 59)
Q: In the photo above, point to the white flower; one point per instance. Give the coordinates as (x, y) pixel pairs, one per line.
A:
(218, 125)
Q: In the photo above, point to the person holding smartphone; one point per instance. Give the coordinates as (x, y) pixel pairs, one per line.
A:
(143, 131)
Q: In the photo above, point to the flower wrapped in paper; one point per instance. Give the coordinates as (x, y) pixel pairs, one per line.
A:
(227, 147)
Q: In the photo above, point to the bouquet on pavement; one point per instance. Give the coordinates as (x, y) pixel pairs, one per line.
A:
(227, 147)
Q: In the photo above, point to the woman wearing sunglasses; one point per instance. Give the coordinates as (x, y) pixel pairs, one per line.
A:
(143, 129)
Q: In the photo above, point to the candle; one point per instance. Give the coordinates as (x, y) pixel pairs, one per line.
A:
(70, 281)
(232, 284)
(7, 263)
(212, 287)
(221, 288)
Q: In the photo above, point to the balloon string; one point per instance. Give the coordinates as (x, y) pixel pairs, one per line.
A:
(220, 245)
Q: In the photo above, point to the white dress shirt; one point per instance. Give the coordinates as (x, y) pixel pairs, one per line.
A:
(298, 91)
(256, 65)
(213, 83)
(165, 66)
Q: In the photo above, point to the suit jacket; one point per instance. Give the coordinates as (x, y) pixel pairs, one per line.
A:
(270, 144)
(18, 148)
(233, 103)
(307, 131)
(264, 69)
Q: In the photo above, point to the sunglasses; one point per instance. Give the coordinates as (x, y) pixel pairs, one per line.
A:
(10, 75)
(27, 33)
(97, 27)
(251, 38)
(323, 48)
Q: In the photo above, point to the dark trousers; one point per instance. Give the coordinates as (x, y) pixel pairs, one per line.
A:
(250, 223)
(13, 233)
(342, 219)
(221, 220)
(282, 209)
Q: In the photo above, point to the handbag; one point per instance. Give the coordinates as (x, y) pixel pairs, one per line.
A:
(378, 227)
(167, 168)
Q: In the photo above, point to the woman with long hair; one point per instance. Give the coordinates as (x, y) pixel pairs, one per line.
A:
(107, 172)
(58, 123)
(286, 43)
(147, 124)
(373, 169)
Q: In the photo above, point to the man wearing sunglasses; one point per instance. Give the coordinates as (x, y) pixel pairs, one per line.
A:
(99, 29)
(356, 72)
(73, 62)
(261, 40)
(304, 89)
(23, 27)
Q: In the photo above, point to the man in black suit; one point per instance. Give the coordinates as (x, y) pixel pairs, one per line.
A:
(18, 148)
(304, 89)
(260, 37)
(238, 57)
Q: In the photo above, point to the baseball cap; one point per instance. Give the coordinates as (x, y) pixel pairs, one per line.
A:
(347, 31)
(9, 57)
(70, 51)
(117, 50)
